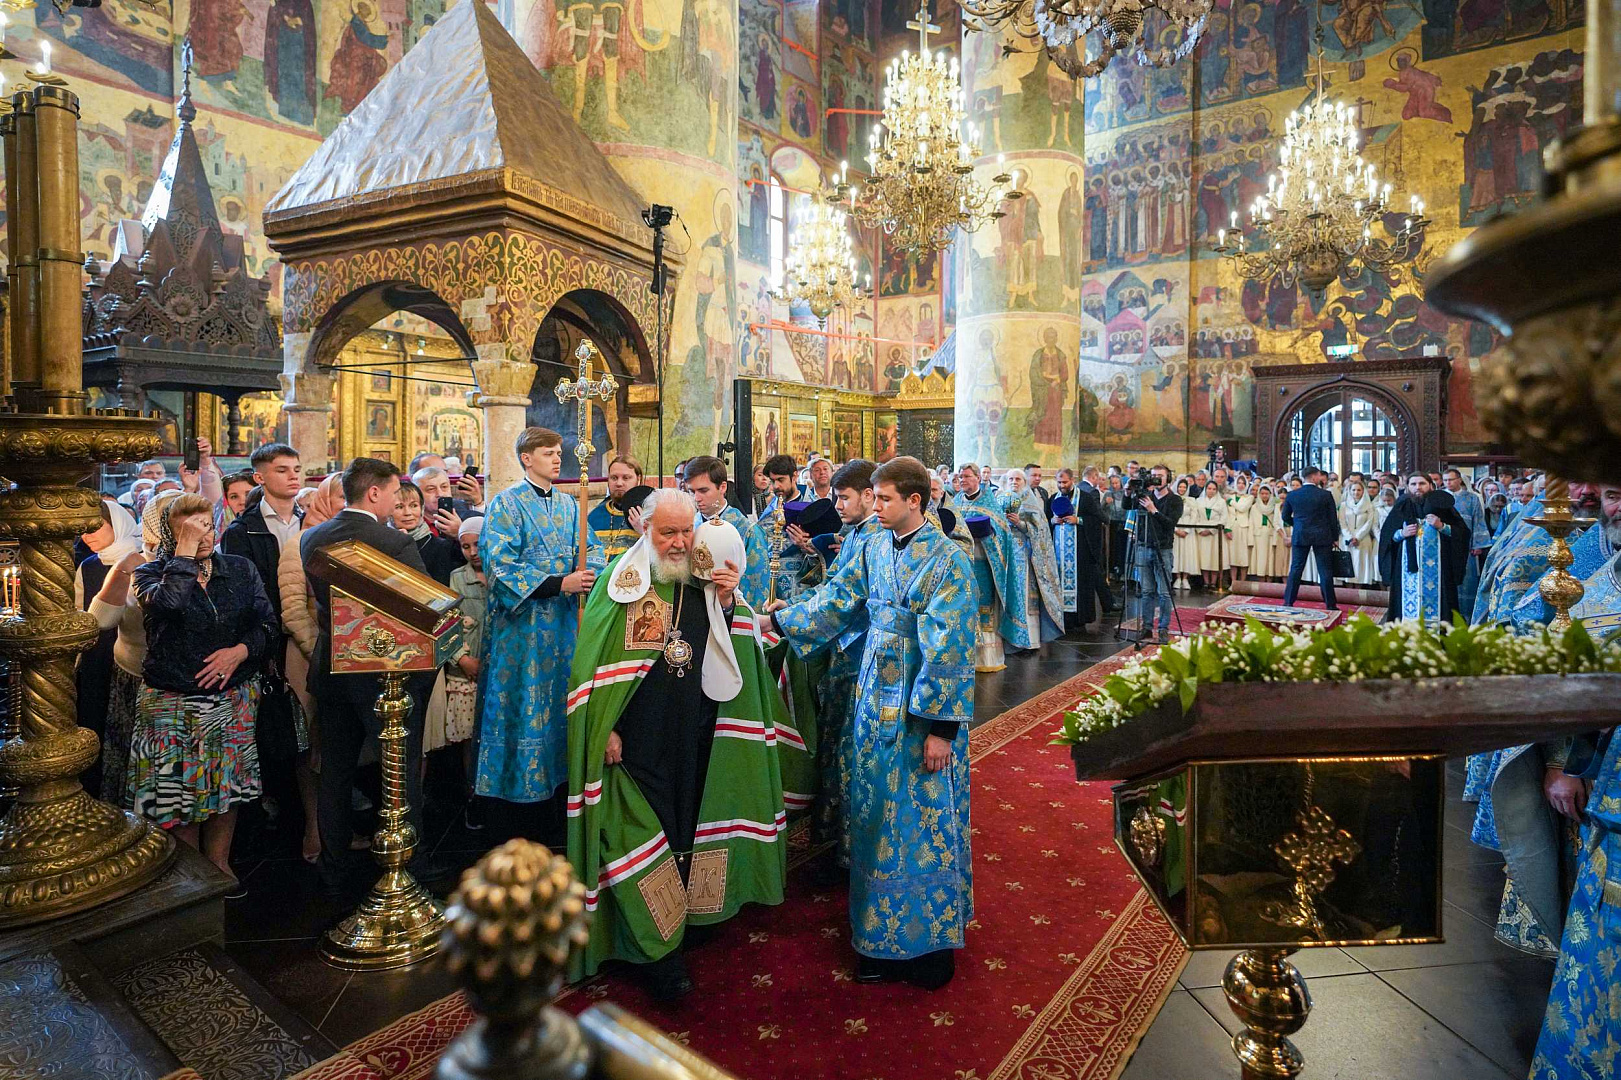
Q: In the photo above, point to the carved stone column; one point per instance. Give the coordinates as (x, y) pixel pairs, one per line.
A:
(310, 399)
(503, 397)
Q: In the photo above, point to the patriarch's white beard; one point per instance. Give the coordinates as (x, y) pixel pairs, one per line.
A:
(674, 570)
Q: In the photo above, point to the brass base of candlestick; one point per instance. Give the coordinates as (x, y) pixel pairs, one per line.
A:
(60, 850)
(1269, 995)
(399, 922)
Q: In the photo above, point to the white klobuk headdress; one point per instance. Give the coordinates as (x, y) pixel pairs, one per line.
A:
(718, 541)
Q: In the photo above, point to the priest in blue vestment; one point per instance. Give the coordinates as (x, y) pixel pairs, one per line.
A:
(911, 889)
(1581, 1030)
(1423, 549)
(529, 549)
(1000, 575)
(1518, 786)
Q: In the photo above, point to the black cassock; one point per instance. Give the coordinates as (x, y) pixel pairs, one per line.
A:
(1394, 549)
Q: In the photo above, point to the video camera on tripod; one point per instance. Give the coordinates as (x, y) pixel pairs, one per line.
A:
(1138, 484)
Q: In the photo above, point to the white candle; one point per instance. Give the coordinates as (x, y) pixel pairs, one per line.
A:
(44, 57)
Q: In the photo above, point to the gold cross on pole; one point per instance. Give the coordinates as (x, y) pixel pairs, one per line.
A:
(580, 391)
(923, 26)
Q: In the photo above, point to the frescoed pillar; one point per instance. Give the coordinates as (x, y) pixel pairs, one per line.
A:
(655, 86)
(1018, 329)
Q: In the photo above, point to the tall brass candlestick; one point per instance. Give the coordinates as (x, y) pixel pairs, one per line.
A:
(22, 216)
(60, 263)
(1558, 586)
(60, 850)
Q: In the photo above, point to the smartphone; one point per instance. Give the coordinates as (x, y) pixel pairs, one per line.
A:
(447, 504)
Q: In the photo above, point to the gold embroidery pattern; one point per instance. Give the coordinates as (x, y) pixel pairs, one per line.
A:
(629, 578)
(665, 898)
(702, 561)
(706, 882)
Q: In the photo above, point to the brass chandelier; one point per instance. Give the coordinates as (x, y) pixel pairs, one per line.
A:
(921, 188)
(820, 268)
(1062, 28)
(1315, 222)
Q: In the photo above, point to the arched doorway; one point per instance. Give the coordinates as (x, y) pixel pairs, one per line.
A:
(1356, 417)
(587, 314)
(399, 355)
(1344, 431)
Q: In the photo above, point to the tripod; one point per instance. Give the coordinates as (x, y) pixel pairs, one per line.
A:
(1134, 578)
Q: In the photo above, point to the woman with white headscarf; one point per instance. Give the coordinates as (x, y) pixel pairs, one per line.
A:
(96, 553)
(1359, 531)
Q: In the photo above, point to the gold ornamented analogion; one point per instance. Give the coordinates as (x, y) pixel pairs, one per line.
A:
(60, 850)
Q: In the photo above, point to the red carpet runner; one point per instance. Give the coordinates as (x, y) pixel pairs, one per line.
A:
(1066, 965)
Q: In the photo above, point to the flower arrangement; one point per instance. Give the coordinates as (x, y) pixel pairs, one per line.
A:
(1356, 650)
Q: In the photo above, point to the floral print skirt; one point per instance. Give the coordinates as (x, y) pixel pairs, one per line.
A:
(193, 755)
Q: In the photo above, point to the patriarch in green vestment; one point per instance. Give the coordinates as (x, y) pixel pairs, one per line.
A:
(675, 803)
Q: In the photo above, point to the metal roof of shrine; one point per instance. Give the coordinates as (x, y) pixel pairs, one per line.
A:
(464, 101)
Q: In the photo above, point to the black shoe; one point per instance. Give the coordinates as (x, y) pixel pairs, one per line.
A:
(932, 971)
(473, 814)
(666, 979)
(871, 969)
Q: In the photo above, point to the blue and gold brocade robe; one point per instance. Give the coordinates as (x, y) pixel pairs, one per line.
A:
(1002, 574)
(612, 528)
(523, 731)
(911, 883)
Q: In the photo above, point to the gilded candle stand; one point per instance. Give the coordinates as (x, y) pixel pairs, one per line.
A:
(389, 621)
(1336, 844)
(61, 851)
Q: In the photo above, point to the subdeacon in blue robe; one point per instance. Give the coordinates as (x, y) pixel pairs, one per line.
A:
(834, 744)
(911, 882)
(1002, 575)
(1581, 1031)
(612, 528)
(1043, 611)
(523, 729)
(1530, 835)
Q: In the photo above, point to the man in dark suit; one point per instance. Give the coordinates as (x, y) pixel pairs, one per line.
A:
(1090, 521)
(1032, 473)
(1314, 523)
(370, 491)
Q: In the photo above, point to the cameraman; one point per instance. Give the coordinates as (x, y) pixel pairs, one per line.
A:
(1158, 511)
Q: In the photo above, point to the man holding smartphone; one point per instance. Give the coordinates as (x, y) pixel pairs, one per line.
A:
(464, 488)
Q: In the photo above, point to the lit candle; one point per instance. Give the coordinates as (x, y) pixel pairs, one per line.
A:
(1234, 220)
(1221, 237)
(2, 29)
(44, 57)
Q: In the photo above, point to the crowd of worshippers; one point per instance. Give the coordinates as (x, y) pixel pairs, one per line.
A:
(790, 643)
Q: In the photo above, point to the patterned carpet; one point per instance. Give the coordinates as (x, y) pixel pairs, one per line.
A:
(1067, 960)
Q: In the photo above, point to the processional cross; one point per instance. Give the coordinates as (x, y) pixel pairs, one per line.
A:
(580, 391)
(923, 26)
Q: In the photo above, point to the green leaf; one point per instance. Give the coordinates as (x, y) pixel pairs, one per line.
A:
(1187, 690)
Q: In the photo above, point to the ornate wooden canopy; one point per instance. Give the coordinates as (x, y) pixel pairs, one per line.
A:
(461, 190)
(176, 306)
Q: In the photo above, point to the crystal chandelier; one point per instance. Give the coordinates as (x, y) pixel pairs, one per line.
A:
(1315, 222)
(820, 267)
(922, 189)
(1062, 27)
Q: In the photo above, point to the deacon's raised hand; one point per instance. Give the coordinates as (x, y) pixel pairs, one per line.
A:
(580, 581)
(633, 517)
(1410, 530)
(616, 749)
(801, 539)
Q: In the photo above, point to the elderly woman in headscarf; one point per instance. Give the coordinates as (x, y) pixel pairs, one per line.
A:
(209, 627)
(1423, 553)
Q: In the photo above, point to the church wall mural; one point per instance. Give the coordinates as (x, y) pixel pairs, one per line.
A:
(1130, 176)
(1455, 101)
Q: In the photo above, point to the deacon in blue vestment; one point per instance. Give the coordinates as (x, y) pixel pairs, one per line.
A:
(852, 494)
(796, 568)
(1581, 1031)
(911, 890)
(1423, 546)
(613, 526)
(529, 548)
(1001, 577)
(1514, 815)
